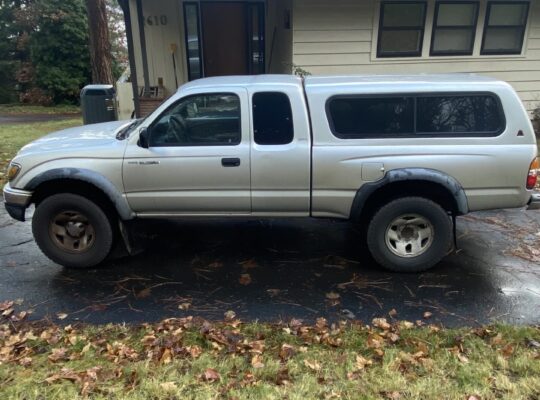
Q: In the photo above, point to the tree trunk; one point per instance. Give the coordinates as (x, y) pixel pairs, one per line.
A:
(100, 45)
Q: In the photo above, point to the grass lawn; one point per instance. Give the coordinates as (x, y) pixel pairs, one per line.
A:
(14, 136)
(192, 359)
(21, 109)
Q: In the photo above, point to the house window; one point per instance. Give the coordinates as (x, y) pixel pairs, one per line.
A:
(401, 29)
(454, 28)
(504, 27)
(193, 40)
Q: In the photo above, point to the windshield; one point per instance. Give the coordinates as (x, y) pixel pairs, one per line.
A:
(126, 130)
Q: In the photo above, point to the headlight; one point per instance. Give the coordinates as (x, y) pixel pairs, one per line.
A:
(13, 171)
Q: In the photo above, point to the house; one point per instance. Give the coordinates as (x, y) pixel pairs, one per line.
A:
(175, 41)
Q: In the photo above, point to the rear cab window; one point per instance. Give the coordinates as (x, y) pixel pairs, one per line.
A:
(415, 115)
(272, 118)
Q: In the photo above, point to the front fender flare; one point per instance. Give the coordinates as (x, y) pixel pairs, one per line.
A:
(88, 176)
(412, 174)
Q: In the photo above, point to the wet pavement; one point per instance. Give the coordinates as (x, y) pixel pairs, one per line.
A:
(274, 270)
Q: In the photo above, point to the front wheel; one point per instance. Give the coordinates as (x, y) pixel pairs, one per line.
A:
(72, 231)
(410, 234)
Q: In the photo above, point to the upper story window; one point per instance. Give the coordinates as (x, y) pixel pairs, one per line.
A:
(401, 28)
(455, 24)
(454, 28)
(272, 118)
(211, 119)
(504, 27)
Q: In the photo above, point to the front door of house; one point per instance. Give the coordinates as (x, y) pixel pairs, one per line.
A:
(224, 38)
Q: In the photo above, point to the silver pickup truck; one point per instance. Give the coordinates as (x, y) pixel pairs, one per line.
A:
(401, 156)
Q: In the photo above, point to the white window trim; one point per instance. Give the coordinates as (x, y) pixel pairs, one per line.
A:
(428, 29)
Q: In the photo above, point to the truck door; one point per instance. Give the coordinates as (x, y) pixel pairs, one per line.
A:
(280, 153)
(197, 162)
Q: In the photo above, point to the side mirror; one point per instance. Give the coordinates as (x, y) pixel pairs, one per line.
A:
(144, 138)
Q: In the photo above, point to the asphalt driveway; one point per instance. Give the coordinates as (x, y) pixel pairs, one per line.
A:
(281, 269)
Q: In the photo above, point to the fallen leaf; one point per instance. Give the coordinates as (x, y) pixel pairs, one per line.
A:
(61, 316)
(6, 305)
(406, 325)
(313, 365)
(245, 279)
(428, 315)
(497, 340)
(59, 354)
(210, 375)
(184, 306)
(463, 358)
(249, 264)
(286, 352)
(168, 386)
(256, 361)
(194, 351)
(393, 337)
(273, 292)
(392, 313)
(375, 341)
(230, 315)
(381, 323)
(361, 362)
(473, 397)
(166, 357)
(7, 312)
(215, 264)
(25, 361)
(507, 350)
(332, 296)
(144, 293)
(392, 395)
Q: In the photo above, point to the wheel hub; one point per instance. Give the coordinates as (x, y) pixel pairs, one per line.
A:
(72, 232)
(409, 235)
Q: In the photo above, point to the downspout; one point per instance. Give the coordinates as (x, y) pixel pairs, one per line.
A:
(142, 35)
(131, 54)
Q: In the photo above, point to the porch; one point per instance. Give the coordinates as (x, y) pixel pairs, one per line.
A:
(175, 41)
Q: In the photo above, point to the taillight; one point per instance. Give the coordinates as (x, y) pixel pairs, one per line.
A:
(532, 177)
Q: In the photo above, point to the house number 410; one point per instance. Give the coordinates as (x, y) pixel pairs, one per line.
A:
(156, 20)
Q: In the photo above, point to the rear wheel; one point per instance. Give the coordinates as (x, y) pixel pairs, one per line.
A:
(72, 231)
(410, 234)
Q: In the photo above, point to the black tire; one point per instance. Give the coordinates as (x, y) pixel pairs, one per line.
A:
(101, 236)
(441, 228)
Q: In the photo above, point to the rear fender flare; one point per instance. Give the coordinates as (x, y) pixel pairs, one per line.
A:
(412, 174)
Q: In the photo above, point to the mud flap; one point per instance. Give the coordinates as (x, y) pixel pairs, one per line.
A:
(454, 231)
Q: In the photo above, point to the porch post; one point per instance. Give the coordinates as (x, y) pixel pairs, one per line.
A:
(131, 54)
(140, 19)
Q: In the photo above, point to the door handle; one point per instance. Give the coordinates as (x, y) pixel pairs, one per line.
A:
(230, 162)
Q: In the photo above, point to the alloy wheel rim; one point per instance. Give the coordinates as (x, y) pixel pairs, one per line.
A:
(72, 232)
(409, 235)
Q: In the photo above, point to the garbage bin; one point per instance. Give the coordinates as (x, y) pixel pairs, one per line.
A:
(97, 104)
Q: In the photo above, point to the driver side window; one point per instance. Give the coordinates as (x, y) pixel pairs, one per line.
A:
(199, 120)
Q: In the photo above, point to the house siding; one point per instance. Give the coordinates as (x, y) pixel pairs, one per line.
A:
(340, 37)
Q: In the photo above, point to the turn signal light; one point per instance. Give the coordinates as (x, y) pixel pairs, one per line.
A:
(532, 177)
(13, 171)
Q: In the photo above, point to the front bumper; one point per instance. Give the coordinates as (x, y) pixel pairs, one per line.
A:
(534, 202)
(16, 201)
